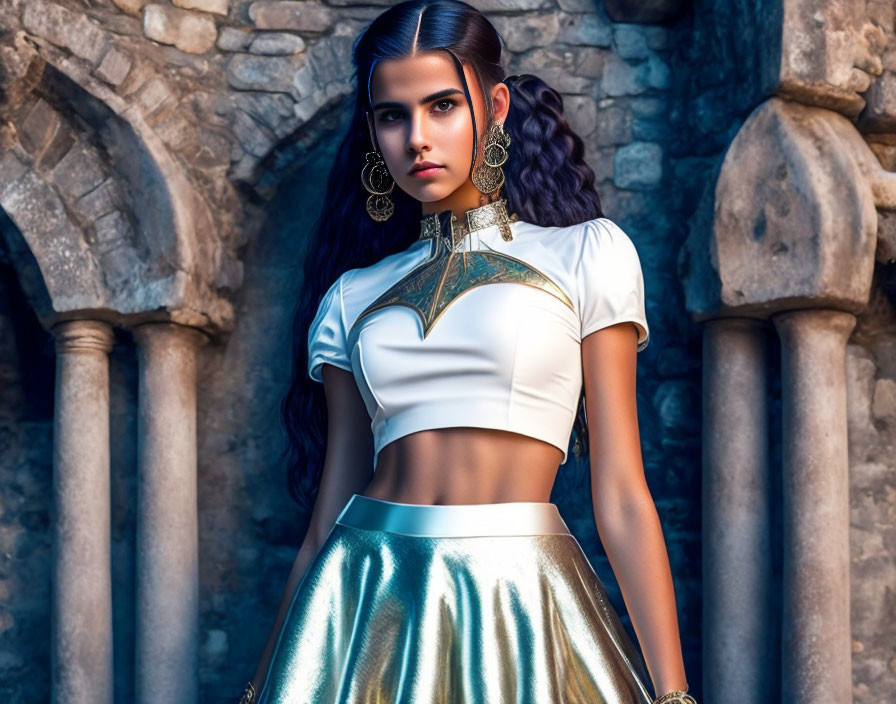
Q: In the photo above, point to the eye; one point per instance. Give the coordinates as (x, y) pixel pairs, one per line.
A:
(384, 116)
(450, 103)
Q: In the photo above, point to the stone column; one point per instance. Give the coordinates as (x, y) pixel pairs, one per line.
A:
(167, 519)
(815, 648)
(737, 615)
(81, 589)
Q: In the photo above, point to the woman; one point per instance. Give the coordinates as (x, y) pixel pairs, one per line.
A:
(475, 307)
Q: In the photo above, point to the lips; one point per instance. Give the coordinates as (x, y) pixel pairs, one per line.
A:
(424, 168)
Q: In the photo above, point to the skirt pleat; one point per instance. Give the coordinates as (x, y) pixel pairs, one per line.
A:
(468, 615)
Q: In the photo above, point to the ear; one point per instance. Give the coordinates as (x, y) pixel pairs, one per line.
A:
(501, 101)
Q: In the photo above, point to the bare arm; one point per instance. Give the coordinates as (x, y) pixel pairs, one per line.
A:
(624, 510)
(348, 468)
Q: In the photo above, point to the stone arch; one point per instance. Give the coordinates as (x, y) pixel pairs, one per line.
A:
(123, 217)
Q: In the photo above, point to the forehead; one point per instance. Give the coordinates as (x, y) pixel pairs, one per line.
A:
(412, 77)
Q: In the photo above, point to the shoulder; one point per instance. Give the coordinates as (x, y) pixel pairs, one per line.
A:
(591, 242)
(362, 285)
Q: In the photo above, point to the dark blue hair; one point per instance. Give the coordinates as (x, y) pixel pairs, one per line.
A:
(547, 182)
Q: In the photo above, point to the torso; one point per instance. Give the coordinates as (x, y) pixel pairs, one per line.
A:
(465, 466)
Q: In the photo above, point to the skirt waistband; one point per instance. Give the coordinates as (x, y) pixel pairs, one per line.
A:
(453, 520)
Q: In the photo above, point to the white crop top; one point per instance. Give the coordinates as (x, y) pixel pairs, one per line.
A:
(501, 355)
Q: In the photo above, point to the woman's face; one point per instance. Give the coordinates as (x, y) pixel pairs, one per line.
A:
(420, 113)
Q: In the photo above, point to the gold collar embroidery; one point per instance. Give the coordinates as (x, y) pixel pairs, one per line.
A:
(447, 274)
(484, 216)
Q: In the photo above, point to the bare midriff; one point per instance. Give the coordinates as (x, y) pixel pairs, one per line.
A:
(465, 466)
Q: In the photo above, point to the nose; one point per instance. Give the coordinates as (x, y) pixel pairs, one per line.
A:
(417, 139)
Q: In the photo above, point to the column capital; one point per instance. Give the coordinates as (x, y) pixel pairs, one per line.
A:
(83, 334)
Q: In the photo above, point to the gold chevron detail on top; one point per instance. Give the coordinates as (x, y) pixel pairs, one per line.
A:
(432, 286)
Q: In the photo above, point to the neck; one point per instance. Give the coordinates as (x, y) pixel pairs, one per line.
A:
(463, 199)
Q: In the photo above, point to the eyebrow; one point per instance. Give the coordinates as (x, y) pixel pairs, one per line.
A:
(428, 99)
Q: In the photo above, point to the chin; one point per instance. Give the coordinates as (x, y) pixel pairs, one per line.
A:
(430, 193)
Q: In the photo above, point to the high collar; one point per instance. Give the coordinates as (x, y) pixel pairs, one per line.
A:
(445, 223)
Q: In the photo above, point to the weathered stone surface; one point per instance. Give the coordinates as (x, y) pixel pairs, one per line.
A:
(284, 14)
(38, 127)
(879, 114)
(275, 73)
(111, 230)
(581, 114)
(277, 44)
(586, 29)
(638, 165)
(218, 7)
(620, 77)
(114, 67)
(132, 7)
(884, 404)
(614, 126)
(794, 201)
(190, 32)
(234, 38)
(11, 169)
(101, 200)
(77, 173)
(522, 33)
(830, 53)
(630, 41)
(65, 28)
(154, 96)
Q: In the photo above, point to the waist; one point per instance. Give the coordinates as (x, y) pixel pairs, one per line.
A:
(453, 520)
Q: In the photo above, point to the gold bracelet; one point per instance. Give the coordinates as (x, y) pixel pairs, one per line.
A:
(676, 696)
(248, 696)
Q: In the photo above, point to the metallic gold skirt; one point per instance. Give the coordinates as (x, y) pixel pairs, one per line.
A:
(472, 604)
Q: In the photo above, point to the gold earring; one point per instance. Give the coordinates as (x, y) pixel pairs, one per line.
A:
(375, 177)
(489, 177)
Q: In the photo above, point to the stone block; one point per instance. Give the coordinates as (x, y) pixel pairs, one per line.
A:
(65, 28)
(277, 44)
(614, 126)
(638, 165)
(60, 143)
(11, 169)
(111, 230)
(581, 114)
(132, 7)
(630, 41)
(254, 137)
(101, 200)
(620, 77)
(153, 96)
(527, 31)
(191, 32)
(38, 127)
(884, 404)
(295, 16)
(217, 7)
(587, 30)
(114, 67)
(234, 38)
(77, 173)
(268, 73)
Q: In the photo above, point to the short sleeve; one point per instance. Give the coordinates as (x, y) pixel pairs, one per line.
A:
(609, 279)
(326, 336)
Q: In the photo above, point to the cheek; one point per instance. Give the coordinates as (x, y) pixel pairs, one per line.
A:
(453, 145)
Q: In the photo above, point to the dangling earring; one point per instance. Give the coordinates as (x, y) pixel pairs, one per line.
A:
(375, 177)
(489, 177)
